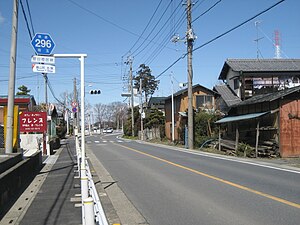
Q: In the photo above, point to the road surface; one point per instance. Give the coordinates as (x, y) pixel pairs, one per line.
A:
(174, 187)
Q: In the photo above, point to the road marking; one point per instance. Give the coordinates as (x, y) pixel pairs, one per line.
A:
(293, 204)
(228, 158)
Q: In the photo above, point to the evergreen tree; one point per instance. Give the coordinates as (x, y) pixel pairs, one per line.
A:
(149, 84)
(23, 90)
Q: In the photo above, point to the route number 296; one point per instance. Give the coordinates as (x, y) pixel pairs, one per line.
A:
(42, 43)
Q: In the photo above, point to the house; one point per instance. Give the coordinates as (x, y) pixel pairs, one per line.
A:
(157, 103)
(264, 119)
(249, 77)
(226, 99)
(24, 102)
(203, 98)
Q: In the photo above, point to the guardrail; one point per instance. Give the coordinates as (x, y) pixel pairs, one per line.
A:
(98, 209)
(92, 210)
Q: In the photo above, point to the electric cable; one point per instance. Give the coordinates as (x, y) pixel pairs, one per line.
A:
(102, 18)
(221, 35)
(151, 32)
(157, 7)
(26, 21)
(213, 6)
(166, 39)
(29, 12)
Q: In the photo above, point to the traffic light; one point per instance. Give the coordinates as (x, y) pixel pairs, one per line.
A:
(95, 92)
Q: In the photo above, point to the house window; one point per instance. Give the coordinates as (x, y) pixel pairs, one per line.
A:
(204, 101)
(236, 84)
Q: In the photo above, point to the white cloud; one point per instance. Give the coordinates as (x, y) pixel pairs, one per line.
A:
(2, 19)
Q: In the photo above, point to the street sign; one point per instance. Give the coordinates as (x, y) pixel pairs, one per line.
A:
(43, 68)
(74, 104)
(74, 109)
(43, 59)
(42, 44)
(33, 121)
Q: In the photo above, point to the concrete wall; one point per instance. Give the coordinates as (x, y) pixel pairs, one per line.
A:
(15, 179)
(31, 142)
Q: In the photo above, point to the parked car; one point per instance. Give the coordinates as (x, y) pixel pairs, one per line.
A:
(108, 130)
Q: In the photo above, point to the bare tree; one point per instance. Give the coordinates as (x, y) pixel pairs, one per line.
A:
(100, 110)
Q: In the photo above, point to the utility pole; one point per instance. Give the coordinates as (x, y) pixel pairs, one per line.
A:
(132, 99)
(190, 39)
(67, 113)
(12, 76)
(141, 110)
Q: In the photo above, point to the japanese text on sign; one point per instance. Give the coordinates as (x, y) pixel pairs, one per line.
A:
(33, 121)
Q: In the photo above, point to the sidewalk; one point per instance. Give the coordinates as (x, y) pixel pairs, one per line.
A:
(51, 197)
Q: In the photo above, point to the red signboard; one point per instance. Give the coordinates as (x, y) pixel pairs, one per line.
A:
(33, 121)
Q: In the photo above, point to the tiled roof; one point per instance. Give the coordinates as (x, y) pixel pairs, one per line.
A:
(186, 89)
(260, 65)
(155, 100)
(227, 94)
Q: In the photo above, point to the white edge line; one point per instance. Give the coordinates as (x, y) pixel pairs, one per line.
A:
(224, 158)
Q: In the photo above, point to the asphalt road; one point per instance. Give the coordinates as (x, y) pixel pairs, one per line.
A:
(175, 187)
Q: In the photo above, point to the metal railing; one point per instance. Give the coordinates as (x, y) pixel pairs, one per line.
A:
(98, 209)
(92, 210)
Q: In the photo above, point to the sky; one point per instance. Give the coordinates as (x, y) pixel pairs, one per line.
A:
(111, 31)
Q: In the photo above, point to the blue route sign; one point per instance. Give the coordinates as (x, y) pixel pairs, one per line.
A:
(42, 44)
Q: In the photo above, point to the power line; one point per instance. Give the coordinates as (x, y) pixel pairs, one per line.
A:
(102, 18)
(145, 27)
(214, 5)
(221, 35)
(151, 31)
(165, 40)
(52, 92)
(28, 9)
(25, 17)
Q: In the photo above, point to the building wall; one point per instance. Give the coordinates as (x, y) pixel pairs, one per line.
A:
(230, 81)
(1, 115)
(181, 105)
(290, 129)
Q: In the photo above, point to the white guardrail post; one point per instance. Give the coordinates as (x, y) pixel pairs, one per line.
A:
(99, 214)
(88, 205)
(92, 210)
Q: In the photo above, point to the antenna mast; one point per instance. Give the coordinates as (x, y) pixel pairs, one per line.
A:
(256, 23)
(277, 44)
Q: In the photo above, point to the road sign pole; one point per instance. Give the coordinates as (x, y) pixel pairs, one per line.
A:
(82, 166)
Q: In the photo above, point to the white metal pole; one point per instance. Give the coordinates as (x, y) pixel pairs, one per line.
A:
(141, 109)
(84, 185)
(173, 119)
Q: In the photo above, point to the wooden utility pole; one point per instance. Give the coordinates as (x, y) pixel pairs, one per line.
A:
(190, 39)
(132, 99)
(12, 77)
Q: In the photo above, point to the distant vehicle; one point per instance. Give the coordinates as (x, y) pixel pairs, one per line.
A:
(108, 130)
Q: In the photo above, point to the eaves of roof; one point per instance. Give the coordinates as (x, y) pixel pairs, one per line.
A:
(194, 86)
(268, 97)
(260, 66)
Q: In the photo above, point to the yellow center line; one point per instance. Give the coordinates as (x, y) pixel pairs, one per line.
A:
(216, 178)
